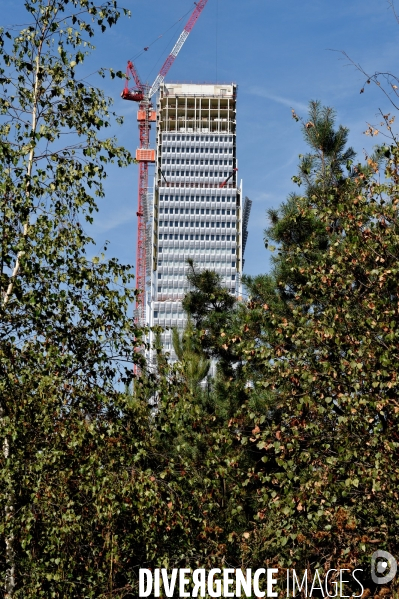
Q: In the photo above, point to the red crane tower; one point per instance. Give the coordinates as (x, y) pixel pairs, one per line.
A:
(142, 93)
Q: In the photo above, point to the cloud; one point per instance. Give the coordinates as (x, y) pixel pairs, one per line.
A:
(258, 91)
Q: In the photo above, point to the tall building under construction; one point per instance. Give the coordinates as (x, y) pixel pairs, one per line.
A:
(198, 208)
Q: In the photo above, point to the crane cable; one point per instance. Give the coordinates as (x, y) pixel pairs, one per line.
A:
(159, 37)
(165, 50)
(217, 36)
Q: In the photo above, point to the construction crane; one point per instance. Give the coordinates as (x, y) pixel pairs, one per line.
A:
(142, 93)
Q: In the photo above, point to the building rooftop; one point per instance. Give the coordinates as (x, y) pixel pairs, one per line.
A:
(202, 89)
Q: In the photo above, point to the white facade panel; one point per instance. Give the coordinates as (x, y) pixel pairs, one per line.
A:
(196, 213)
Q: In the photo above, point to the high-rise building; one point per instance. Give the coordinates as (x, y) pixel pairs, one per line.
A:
(198, 210)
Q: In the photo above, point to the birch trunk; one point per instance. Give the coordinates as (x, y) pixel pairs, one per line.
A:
(9, 585)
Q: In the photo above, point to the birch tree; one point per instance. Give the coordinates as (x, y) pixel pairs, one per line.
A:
(64, 325)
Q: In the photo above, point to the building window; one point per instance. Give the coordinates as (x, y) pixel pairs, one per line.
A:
(233, 277)
(233, 264)
(155, 314)
(159, 276)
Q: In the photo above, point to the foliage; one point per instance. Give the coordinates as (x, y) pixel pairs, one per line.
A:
(194, 364)
(289, 458)
(322, 168)
(212, 308)
(66, 335)
(322, 172)
(327, 474)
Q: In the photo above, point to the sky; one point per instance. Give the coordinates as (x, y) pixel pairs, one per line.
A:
(281, 54)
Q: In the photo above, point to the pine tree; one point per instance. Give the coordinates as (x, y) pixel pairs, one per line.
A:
(212, 309)
(321, 172)
(193, 361)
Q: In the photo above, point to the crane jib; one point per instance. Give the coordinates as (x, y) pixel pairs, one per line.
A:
(177, 47)
(197, 11)
(169, 61)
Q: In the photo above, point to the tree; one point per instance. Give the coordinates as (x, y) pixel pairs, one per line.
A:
(65, 330)
(324, 167)
(328, 441)
(212, 308)
(194, 364)
(322, 172)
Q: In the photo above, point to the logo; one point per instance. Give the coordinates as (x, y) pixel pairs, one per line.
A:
(383, 562)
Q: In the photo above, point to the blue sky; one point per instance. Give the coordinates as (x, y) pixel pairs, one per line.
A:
(281, 55)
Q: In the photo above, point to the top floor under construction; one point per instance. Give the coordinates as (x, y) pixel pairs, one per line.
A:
(193, 108)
